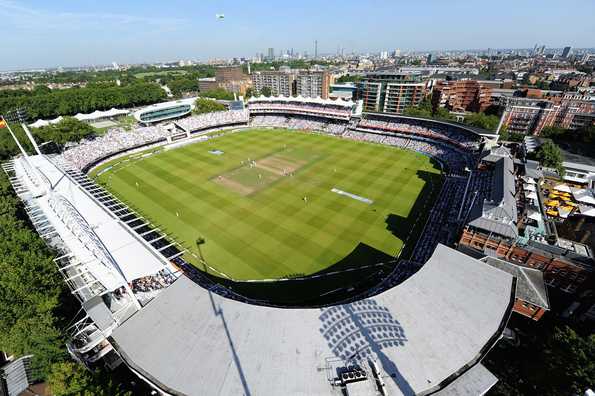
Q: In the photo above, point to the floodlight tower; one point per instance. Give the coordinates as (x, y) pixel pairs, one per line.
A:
(21, 115)
(6, 119)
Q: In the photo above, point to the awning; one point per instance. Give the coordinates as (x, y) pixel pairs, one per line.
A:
(563, 188)
(534, 216)
(587, 210)
(583, 196)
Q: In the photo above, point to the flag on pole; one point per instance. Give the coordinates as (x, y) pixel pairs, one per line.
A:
(3, 123)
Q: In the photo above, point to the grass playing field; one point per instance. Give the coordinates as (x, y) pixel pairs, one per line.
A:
(265, 205)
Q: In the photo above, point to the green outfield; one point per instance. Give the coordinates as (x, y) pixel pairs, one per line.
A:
(277, 203)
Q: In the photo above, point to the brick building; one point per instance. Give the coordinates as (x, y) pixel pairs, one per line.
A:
(230, 78)
(496, 226)
(530, 115)
(531, 297)
(461, 95)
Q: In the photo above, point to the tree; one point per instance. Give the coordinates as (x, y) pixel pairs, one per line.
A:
(550, 155)
(31, 290)
(482, 120)
(68, 130)
(71, 379)
(349, 78)
(43, 104)
(203, 105)
(217, 93)
(552, 132)
(266, 91)
(180, 86)
(551, 360)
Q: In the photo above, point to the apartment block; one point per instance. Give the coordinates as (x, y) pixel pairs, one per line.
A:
(391, 92)
(461, 95)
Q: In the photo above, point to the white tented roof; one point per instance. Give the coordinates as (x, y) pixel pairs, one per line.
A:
(563, 188)
(302, 99)
(100, 114)
(534, 215)
(583, 196)
(587, 210)
(122, 257)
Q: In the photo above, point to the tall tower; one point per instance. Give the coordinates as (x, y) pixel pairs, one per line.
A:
(315, 49)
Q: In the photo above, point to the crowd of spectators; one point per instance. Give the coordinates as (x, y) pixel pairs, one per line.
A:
(204, 121)
(153, 282)
(300, 122)
(456, 160)
(307, 107)
(447, 134)
(115, 140)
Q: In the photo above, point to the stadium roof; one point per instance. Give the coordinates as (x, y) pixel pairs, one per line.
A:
(475, 381)
(423, 334)
(113, 254)
(530, 286)
(498, 214)
(302, 99)
(472, 130)
(164, 106)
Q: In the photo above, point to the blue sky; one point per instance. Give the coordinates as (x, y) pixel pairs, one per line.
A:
(39, 33)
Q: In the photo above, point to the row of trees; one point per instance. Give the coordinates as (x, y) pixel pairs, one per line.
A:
(207, 106)
(35, 305)
(51, 104)
(553, 359)
(479, 120)
(68, 130)
(580, 141)
(550, 155)
(31, 290)
(217, 93)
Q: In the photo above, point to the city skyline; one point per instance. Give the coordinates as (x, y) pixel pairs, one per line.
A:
(65, 34)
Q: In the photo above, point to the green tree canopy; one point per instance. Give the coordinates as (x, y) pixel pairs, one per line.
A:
(71, 101)
(550, 155)
(68, 130)
(31, 290)
(180, 86)
(482, 120)
(203, 105)
(266, 91)
(71, 379)
(218, 93)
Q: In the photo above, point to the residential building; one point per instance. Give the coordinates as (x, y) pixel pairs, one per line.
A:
(279, 82)
(230, 78)
(288, 82)
(531, 297)
(312, 84)
(529, 116)
(461, 95)
(390, 92)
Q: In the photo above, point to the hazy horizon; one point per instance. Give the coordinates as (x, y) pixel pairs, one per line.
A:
(62, 33)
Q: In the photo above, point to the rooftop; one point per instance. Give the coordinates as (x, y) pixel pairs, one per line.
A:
(530, 286)
(439, 322)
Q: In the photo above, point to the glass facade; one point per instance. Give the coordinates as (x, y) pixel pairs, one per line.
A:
(165, 113)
